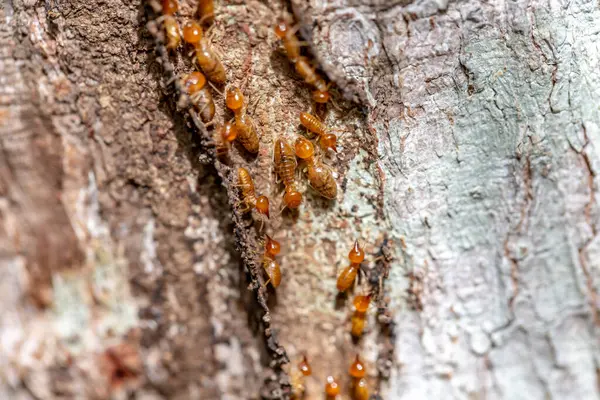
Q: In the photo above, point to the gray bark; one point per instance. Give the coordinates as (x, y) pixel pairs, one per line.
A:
(467, 168)
(488, 143)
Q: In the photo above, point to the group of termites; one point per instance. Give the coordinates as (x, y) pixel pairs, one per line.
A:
(241, 128)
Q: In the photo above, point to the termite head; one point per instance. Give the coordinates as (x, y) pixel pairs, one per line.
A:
(192, 32)
(272, 246)
(329, 141)
(169, 7)
(262, 205)
(292, 198)
(304, 367)
(304, 148)
(229, 132)
(234, 98)
(332, 388)
(321, 96)
(194, 82)
(281, 29)
(357, 369)
(356, 255)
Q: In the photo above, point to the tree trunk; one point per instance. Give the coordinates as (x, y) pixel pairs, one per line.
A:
(466, 166)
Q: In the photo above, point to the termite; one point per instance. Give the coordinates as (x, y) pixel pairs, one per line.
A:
(319, 176)
(348, 274)
(327, 140)
(247, 136)
(223, 137)
(304, 367)
(273, 271)
(172, 33)
(357, 369)
(260, 203)
(361, 303)
(307, 72)
(207, 58)
(360, 390)
(169, 7)
(206, 11)
(297, 378)
(200, 95)
(285, 166)
(292, 46)
(358, 322)
(332, 388)
(270, 264)
(359, 318)
(291, 43)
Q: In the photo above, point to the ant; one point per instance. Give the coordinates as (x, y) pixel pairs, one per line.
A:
(348, 274)
(319, 176)
(285, 166)
(234, 99)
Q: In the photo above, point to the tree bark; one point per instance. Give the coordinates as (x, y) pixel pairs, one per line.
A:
(467, 167)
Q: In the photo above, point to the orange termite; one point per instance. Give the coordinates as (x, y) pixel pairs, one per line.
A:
(260, 203)
(307, 72)
(318, 174)
(285, 166)
(360, 390)
(169, 7)
(358, 324)
(332, 388)
(205, 55)
(356, 255)
(292, 48)
(304, 367)
(291, 43)
(206, 11)
(195, 85)
(234, 99)
(357, 369)
(273, 271)
(271, 266)
(327, 140)
(348, 274)
(223, 137)
(359, 319)
(361, 303)
(272, 247)
(297, 379)
(171, 32)
(321, 97)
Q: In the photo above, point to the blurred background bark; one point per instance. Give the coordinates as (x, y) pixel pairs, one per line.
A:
(468, 167)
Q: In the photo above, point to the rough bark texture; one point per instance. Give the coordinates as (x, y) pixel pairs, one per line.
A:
(467, 167)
